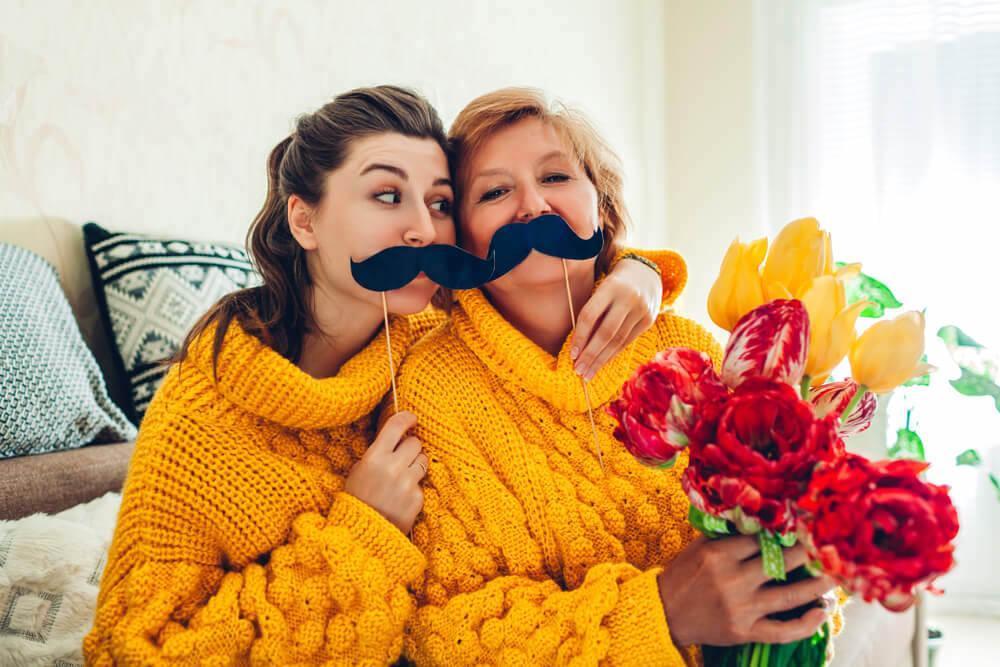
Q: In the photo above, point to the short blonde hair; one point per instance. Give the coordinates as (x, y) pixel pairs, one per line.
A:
(484, 116)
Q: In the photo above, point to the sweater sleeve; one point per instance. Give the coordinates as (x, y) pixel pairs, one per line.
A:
(676, 331)
(180, 588)
(673, 270)
(471, 609)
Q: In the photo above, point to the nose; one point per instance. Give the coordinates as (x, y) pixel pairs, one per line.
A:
(421, 230)
(532, 204)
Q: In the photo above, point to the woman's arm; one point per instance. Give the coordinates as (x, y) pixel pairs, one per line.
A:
(625, 304)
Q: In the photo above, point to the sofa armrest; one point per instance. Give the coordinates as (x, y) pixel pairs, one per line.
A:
(59, 480)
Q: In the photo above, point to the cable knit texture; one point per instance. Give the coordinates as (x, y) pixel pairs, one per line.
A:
(235, 543)
(535, 554)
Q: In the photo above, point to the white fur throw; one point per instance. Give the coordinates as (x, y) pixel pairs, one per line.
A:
(50, 569)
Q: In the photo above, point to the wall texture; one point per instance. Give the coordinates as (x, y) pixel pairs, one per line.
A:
(158, 116)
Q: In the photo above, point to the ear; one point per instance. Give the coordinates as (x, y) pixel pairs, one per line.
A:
(300, 222)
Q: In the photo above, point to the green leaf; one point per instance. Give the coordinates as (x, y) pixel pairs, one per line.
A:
(953, 336)
(771, 555)
(864, 287)
(710, 526)
(787, 539)
(976, 384)
(969, 457)
(908, 445)
(921, 380)
(996, 484)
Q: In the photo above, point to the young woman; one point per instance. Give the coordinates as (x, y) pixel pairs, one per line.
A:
(538, 551)
(262, 519)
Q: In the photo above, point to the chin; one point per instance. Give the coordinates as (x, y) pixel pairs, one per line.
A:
(542, 271)
(411, 299)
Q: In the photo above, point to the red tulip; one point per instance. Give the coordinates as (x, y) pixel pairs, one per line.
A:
(878, 528)
(834, 398)
(770, 342)
(754, 454)
(660, 402)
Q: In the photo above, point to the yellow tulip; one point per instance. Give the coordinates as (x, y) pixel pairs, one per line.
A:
(738, 288)
(888, 353)
(831, 325)
(800, 253)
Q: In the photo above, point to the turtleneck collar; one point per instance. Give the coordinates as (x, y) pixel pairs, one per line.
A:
(261, 381)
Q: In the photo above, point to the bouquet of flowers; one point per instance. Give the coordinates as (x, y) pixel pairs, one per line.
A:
(765, 434)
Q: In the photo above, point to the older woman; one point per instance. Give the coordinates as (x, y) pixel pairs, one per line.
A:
(538, 552)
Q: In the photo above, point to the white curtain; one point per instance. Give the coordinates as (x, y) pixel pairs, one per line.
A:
(882, 119)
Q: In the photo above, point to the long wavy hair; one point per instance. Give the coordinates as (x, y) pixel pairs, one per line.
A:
(277, 310)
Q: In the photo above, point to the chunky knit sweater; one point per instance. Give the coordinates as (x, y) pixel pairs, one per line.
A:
(235, 543)
(535, 554)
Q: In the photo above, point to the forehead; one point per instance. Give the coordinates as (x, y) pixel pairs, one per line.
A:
(528, 139)
(412, 154)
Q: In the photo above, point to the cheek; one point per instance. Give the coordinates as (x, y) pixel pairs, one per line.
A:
(478, 227)
(579, 204)
(446, 233)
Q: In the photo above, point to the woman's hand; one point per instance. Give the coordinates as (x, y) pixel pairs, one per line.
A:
(388, 476)
(623, 307)
(714, 593)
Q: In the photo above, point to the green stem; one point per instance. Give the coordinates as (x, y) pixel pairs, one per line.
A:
(862, 390)
(755, 656)
(765, 655)
(804, 387)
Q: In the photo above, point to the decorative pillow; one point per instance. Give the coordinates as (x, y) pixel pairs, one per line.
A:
(151, 292)
(52, 393)
(50, 573)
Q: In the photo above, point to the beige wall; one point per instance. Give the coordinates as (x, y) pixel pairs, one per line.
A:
(710, 186)
(158, 116)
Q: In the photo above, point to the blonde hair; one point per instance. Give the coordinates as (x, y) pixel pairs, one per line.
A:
(487, 114)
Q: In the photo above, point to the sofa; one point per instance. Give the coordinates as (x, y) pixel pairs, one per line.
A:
(57, 481)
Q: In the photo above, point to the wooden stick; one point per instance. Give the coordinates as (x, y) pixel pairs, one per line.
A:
(586, 392)
(388, 347)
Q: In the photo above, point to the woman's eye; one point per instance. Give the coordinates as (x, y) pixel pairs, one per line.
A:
(388, 197)
(555, 178)
(442, 206)
(490, 195)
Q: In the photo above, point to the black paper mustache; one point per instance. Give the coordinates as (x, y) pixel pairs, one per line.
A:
(455, 268)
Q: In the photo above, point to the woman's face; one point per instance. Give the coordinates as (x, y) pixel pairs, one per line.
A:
(391, 190)
(523, 171)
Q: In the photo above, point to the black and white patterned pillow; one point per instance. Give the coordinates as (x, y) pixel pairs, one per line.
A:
(52, 393)
(151, 292)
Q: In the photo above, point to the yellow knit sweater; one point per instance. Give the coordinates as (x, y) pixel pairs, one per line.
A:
(535, 555)
(235, 543)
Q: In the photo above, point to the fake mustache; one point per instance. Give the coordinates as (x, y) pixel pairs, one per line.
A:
(455, 268)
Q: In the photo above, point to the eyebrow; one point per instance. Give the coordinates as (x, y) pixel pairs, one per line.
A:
(392, 169)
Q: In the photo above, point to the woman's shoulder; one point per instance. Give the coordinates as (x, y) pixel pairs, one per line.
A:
(675, 330)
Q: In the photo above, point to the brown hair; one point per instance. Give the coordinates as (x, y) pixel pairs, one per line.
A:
(277, 311)
(489, 113)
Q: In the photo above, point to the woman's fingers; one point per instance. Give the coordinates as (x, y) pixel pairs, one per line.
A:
(406, 453)
(392, 432)
(783, 597)
(768, 631)
(586, 320)
(419, 466)
(795, 557)
(606, 341)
